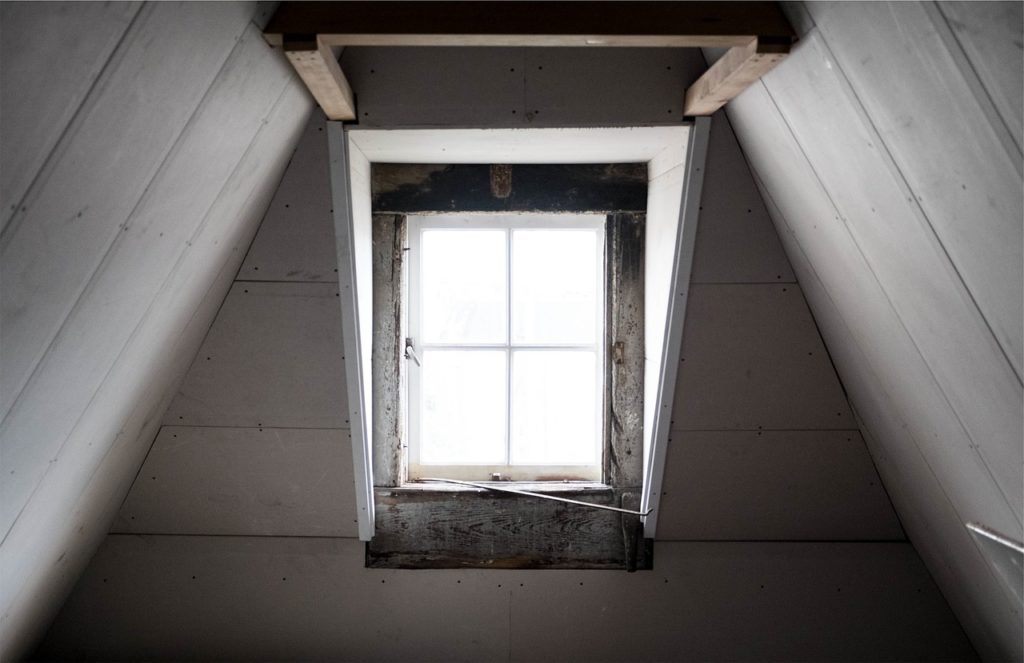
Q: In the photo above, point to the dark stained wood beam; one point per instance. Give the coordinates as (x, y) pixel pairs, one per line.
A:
(664, 24)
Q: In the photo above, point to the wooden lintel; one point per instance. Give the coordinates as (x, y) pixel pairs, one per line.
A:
(733, 73)
(318, 67)
(653, 24)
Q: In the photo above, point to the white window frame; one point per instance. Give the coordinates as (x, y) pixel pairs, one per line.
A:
(417, 224)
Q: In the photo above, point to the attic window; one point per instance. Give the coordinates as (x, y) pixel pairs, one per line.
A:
(506, 337)
(402, 527)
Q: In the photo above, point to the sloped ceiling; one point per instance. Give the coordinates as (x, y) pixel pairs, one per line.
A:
(237, 538)
(888, 150)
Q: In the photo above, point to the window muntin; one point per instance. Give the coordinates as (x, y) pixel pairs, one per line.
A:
(510, 338)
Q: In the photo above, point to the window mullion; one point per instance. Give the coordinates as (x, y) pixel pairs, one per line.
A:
(508, 346)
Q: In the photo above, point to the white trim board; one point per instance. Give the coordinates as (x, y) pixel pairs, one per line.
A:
(675, 158)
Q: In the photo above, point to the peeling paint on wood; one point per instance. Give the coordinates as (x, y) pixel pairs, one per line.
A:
(388, 364)
(624, 236)
(425, 188)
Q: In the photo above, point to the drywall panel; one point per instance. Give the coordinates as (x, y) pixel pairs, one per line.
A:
(296, 239)
(990, 35)
(243, 481)
(273, 358)
(243, 598)
(752, 359)
(436, 86)
(743, 601)
(138, 264)
(969, 209)
(736, 242)
(606, 86)
(922, 452)
(149, 597)
(773, 485)
(519, 87)
(38, 100)
(916, 274)
(82, 200)
(60, 528)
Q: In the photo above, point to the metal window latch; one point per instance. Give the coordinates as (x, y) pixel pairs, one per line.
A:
(410, 351)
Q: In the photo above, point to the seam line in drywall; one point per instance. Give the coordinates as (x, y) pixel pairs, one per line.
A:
(973, 80)
(13, 219)
(253, 427)
(861, 114)
(327, 537)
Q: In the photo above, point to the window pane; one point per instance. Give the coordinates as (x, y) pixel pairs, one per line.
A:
(554, 286)
(463, 286)
(463, 400)
(554, 408)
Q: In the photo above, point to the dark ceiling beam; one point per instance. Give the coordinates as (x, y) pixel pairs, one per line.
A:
(757, 34)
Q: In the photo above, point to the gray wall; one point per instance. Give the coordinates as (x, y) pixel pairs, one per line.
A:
(141, 145)
(888, 147)
(778, 541)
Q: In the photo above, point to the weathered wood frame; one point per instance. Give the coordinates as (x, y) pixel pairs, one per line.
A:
(431, 526)
(757, 34)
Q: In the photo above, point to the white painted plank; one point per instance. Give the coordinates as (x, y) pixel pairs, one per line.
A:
(664, 147)
(353, 221)
(273, 357)
(310, 599)
(81, 201)
(736, 242)
(137, 265)
(670, 232)
(603, 87)
(990, 35)
(935, 478)
(914, 271)
(37, 99)
(51, 542)
(751, 359)
(965, 181)
(296, 239)
(244, 481)
(773, 485)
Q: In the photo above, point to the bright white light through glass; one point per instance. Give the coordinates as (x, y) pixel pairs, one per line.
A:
(462, 286)
(554, 407)
(463, 407)
(554, 286)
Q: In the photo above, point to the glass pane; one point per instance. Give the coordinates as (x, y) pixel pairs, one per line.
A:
(462, 286)
(554, 286)
(463, 416)
(554, 408)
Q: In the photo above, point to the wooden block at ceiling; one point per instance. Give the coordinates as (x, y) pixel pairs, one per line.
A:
(318, 67)
(732, 74)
